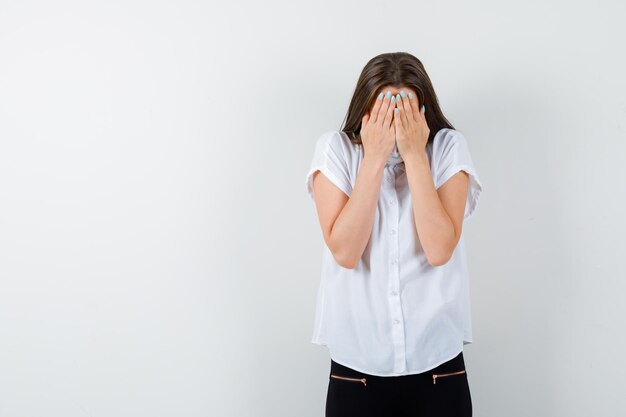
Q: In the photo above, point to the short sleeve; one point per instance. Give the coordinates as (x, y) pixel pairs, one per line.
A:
(453, 155)
(329, 157)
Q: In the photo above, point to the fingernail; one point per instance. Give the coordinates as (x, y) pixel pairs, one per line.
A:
(423, 109)
(396, 110)
(393, 99)
(380, 96)
(388, 94)
(410, 96)
(398, 97)
(403, 94)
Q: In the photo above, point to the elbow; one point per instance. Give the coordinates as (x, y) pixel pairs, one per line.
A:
(440, 254)
(341, 256)
(345, 260)
(439, 258)
(438, 261)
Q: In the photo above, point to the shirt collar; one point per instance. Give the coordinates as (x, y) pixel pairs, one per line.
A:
(395, 162)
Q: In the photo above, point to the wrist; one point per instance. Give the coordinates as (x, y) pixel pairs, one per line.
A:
(375, 161)
(418, 157)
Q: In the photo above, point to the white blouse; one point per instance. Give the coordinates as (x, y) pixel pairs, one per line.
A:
(394, 313)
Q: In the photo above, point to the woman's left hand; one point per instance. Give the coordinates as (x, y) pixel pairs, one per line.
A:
(410, 124)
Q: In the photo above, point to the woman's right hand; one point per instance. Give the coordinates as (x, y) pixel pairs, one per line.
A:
(377, 129)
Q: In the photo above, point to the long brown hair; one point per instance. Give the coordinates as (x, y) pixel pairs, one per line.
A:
(393, 69)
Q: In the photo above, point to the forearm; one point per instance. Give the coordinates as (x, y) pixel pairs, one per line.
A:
(434, 227)
(353, 227)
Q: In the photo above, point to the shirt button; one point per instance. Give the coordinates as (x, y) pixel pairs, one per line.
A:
(394, 293)
(396, 321)
(393, 231)
(391, 202)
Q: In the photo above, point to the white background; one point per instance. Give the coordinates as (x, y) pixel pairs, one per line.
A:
(159, 255)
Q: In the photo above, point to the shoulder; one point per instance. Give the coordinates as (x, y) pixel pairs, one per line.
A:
(338, 142)
(447, 137)
(335, 137)
(448, 144)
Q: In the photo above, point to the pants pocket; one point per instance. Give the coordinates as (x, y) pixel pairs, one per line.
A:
(349, 379)
(350, 395)
(450, 395)
(447, 375)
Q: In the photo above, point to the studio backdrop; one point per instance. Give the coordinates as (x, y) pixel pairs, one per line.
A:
(159, 255)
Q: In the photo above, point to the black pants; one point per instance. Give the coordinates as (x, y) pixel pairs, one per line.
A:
(440, 392)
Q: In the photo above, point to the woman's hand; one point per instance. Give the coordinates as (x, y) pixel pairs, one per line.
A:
(378, 133)
(411, 128)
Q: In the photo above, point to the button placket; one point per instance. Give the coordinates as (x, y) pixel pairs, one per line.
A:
(394, 283)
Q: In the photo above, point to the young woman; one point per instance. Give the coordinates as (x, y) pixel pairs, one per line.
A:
(392, 189)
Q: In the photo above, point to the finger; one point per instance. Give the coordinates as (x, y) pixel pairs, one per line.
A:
(397, 119)
(406, 107)
(424, 116)
(376, 107)
(364, 120)
(403, 108)
(421, 116)
(384, 107)
(414, 106)
(389, 115)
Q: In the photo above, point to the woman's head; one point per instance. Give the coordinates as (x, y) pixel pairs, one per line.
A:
(394, 72)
